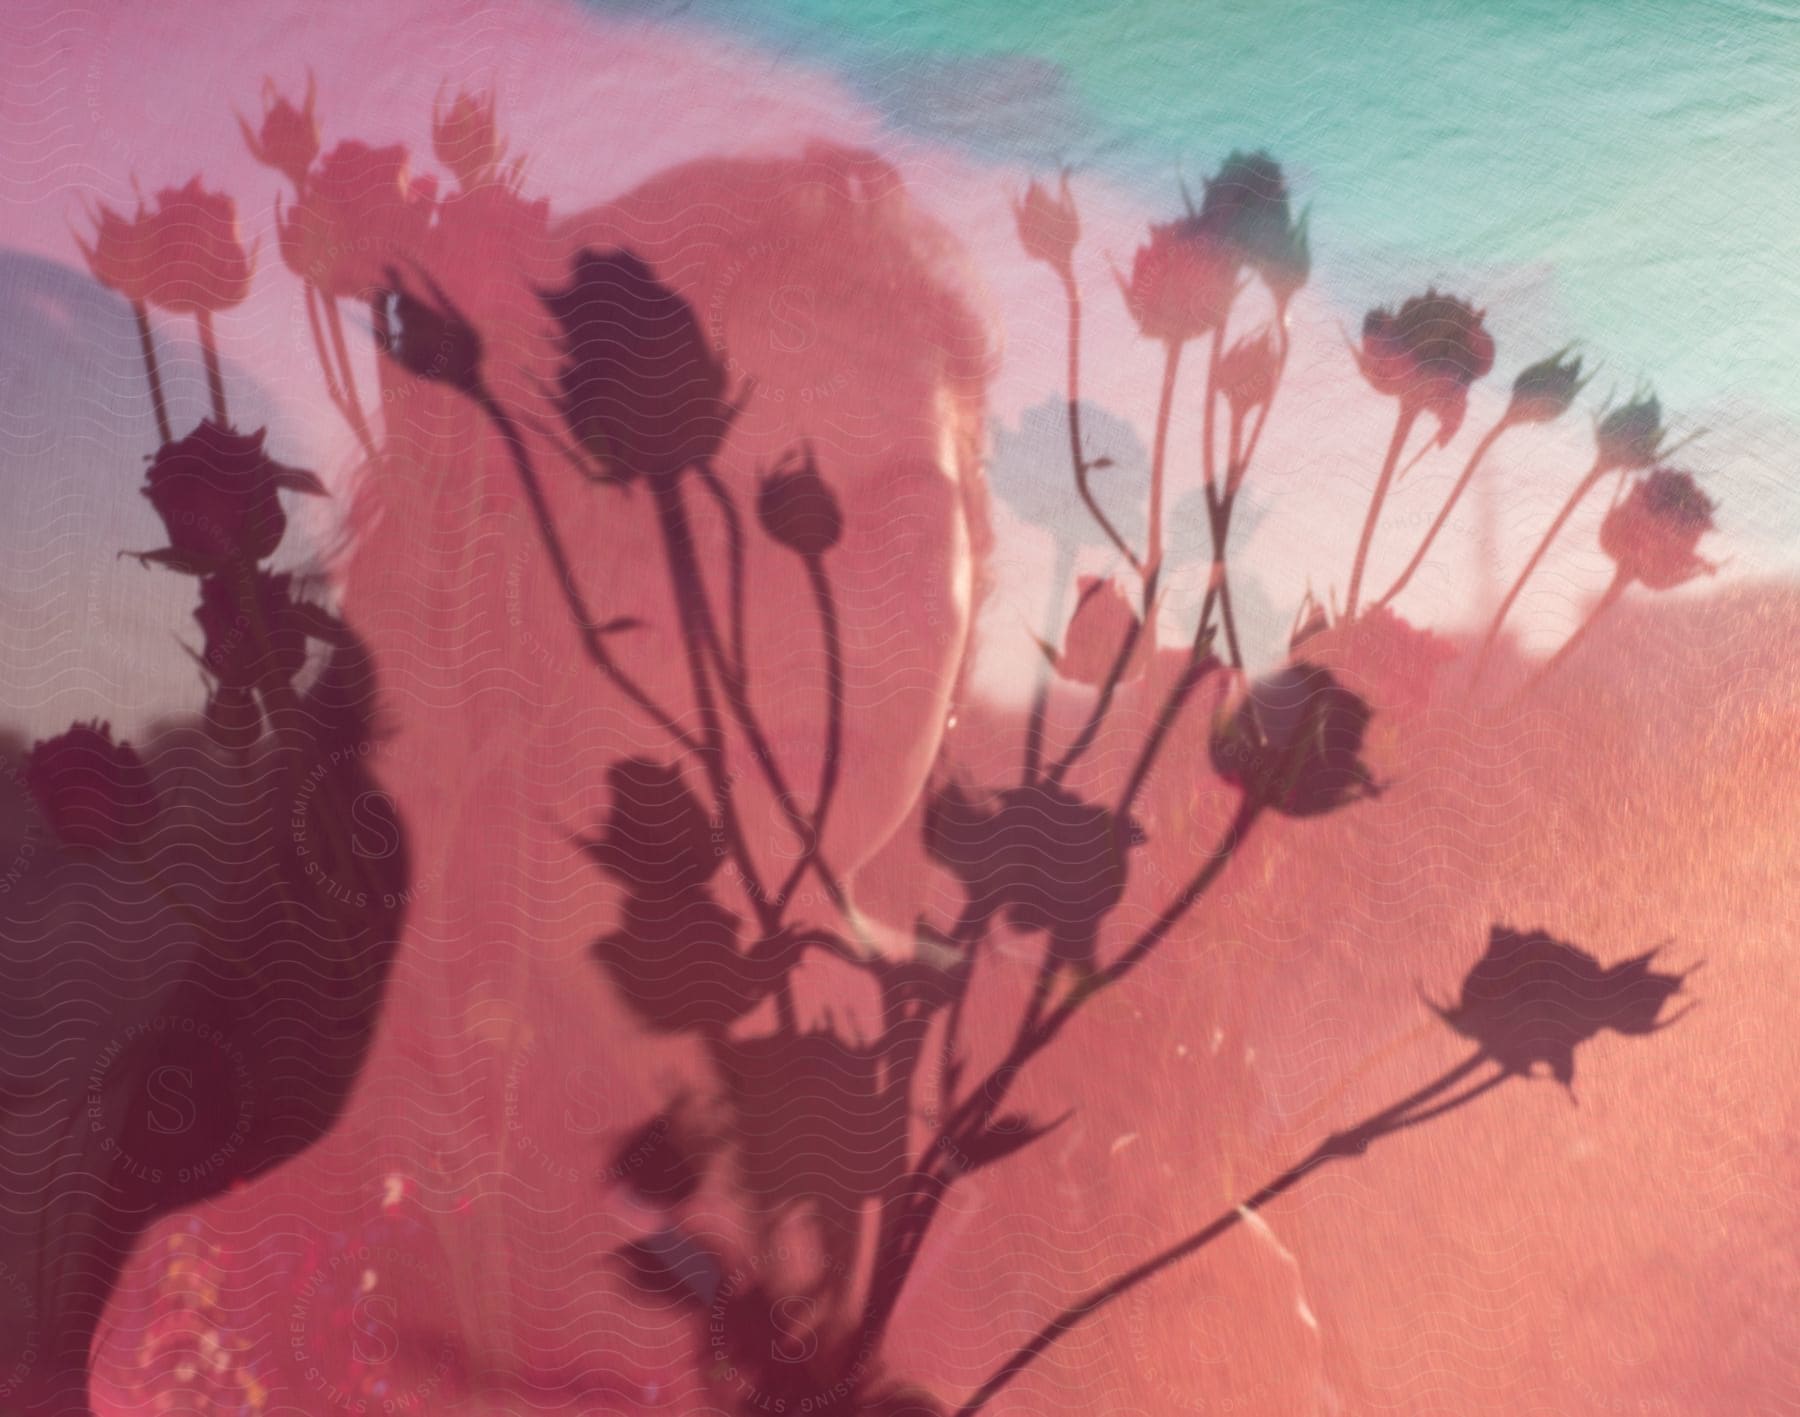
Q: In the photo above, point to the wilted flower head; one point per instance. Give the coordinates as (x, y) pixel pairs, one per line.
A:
(1631, 435)
(1104, 618)
(465, 139)
(658, 838)
(360, 213)
(1653, 531)
(215, 491)
(1543, 391)
(1247, 372)
(1049, 226)
(1533, 999)
(288, 140)
(95, 793)
(798, 508)
(1292, 742)
(1182, 282)
(1427, 354)
(639, 387)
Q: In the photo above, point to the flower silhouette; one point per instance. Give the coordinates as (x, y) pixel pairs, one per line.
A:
(201, 263)
(798, 508)
(1652, 533)
(95, 793)
(1542, 392)
(1102, 622)
(215, 491)
(640, 387)
(1182, 281)
(125, 255)
(1292, 743)
(359, 213)
(1533, 999)
(1426, 354)
(1248, 371)
(1629, 436)
(1245, 209)
(657, 837)
(465, 140)
(288, 139)
(1049, 226)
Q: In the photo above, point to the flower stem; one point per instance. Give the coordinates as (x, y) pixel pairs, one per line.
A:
(1488, 440)
(1621, 579)
(1403, 422)
(1582, 488)
(1076, 455)
(148, 347)
(209, 355)
(1153, 548)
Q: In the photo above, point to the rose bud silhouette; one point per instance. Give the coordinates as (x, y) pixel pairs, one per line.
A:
(1103, 620)
(124, 254)
(1292, 743)
(664, 1161)
(435, 342)
(1427, 354)
(675, 960)
(215, 491)
(1182, 281)
(94, 793)
(1049, 227)
(639, 386)
(1247, 372)
(465, 139)
(798, 509)
(359, 213)
(1543, 391)
(253, 629)
(658, 839)
(1629, 436)
(201, 263)
(1533, 999)
(288, 139)
(1063, 865)
(1651, 534)
(1245, 207)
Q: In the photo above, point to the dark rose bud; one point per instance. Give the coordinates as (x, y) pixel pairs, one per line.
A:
(253, 629)
(1543, 392)
(215, 491)
(639, 386)
(95, 793)
(1049, 226)
(658, 838)
(663, 1162)
(1531, 1000)
(1245, 207)
(1182, 282)
(1063, 865)
(433, 341)
(289, 138)
(1653, 532)
(1631, 435)
(799, 510)
(1247, 372)
(1293, 741)
(1427, 354)
(1098, 629)
(675, 959)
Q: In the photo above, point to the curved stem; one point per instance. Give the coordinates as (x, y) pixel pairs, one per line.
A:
(834, 721)
(1153, 549)
(1340, 1144)
(1482, 448)
(209, 355)
(148, 348)
(1403, 422)
(585, 623)
(1582, 488)
(1076, 455)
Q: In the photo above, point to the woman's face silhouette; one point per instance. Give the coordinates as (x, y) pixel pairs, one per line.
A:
(826, 300)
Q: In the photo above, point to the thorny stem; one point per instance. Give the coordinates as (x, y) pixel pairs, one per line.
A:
(1587, 484)
(1403, 422)
(1079, 458)
(151, 372)
(1349, 1143)
(1482, 448)
(209, 355)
